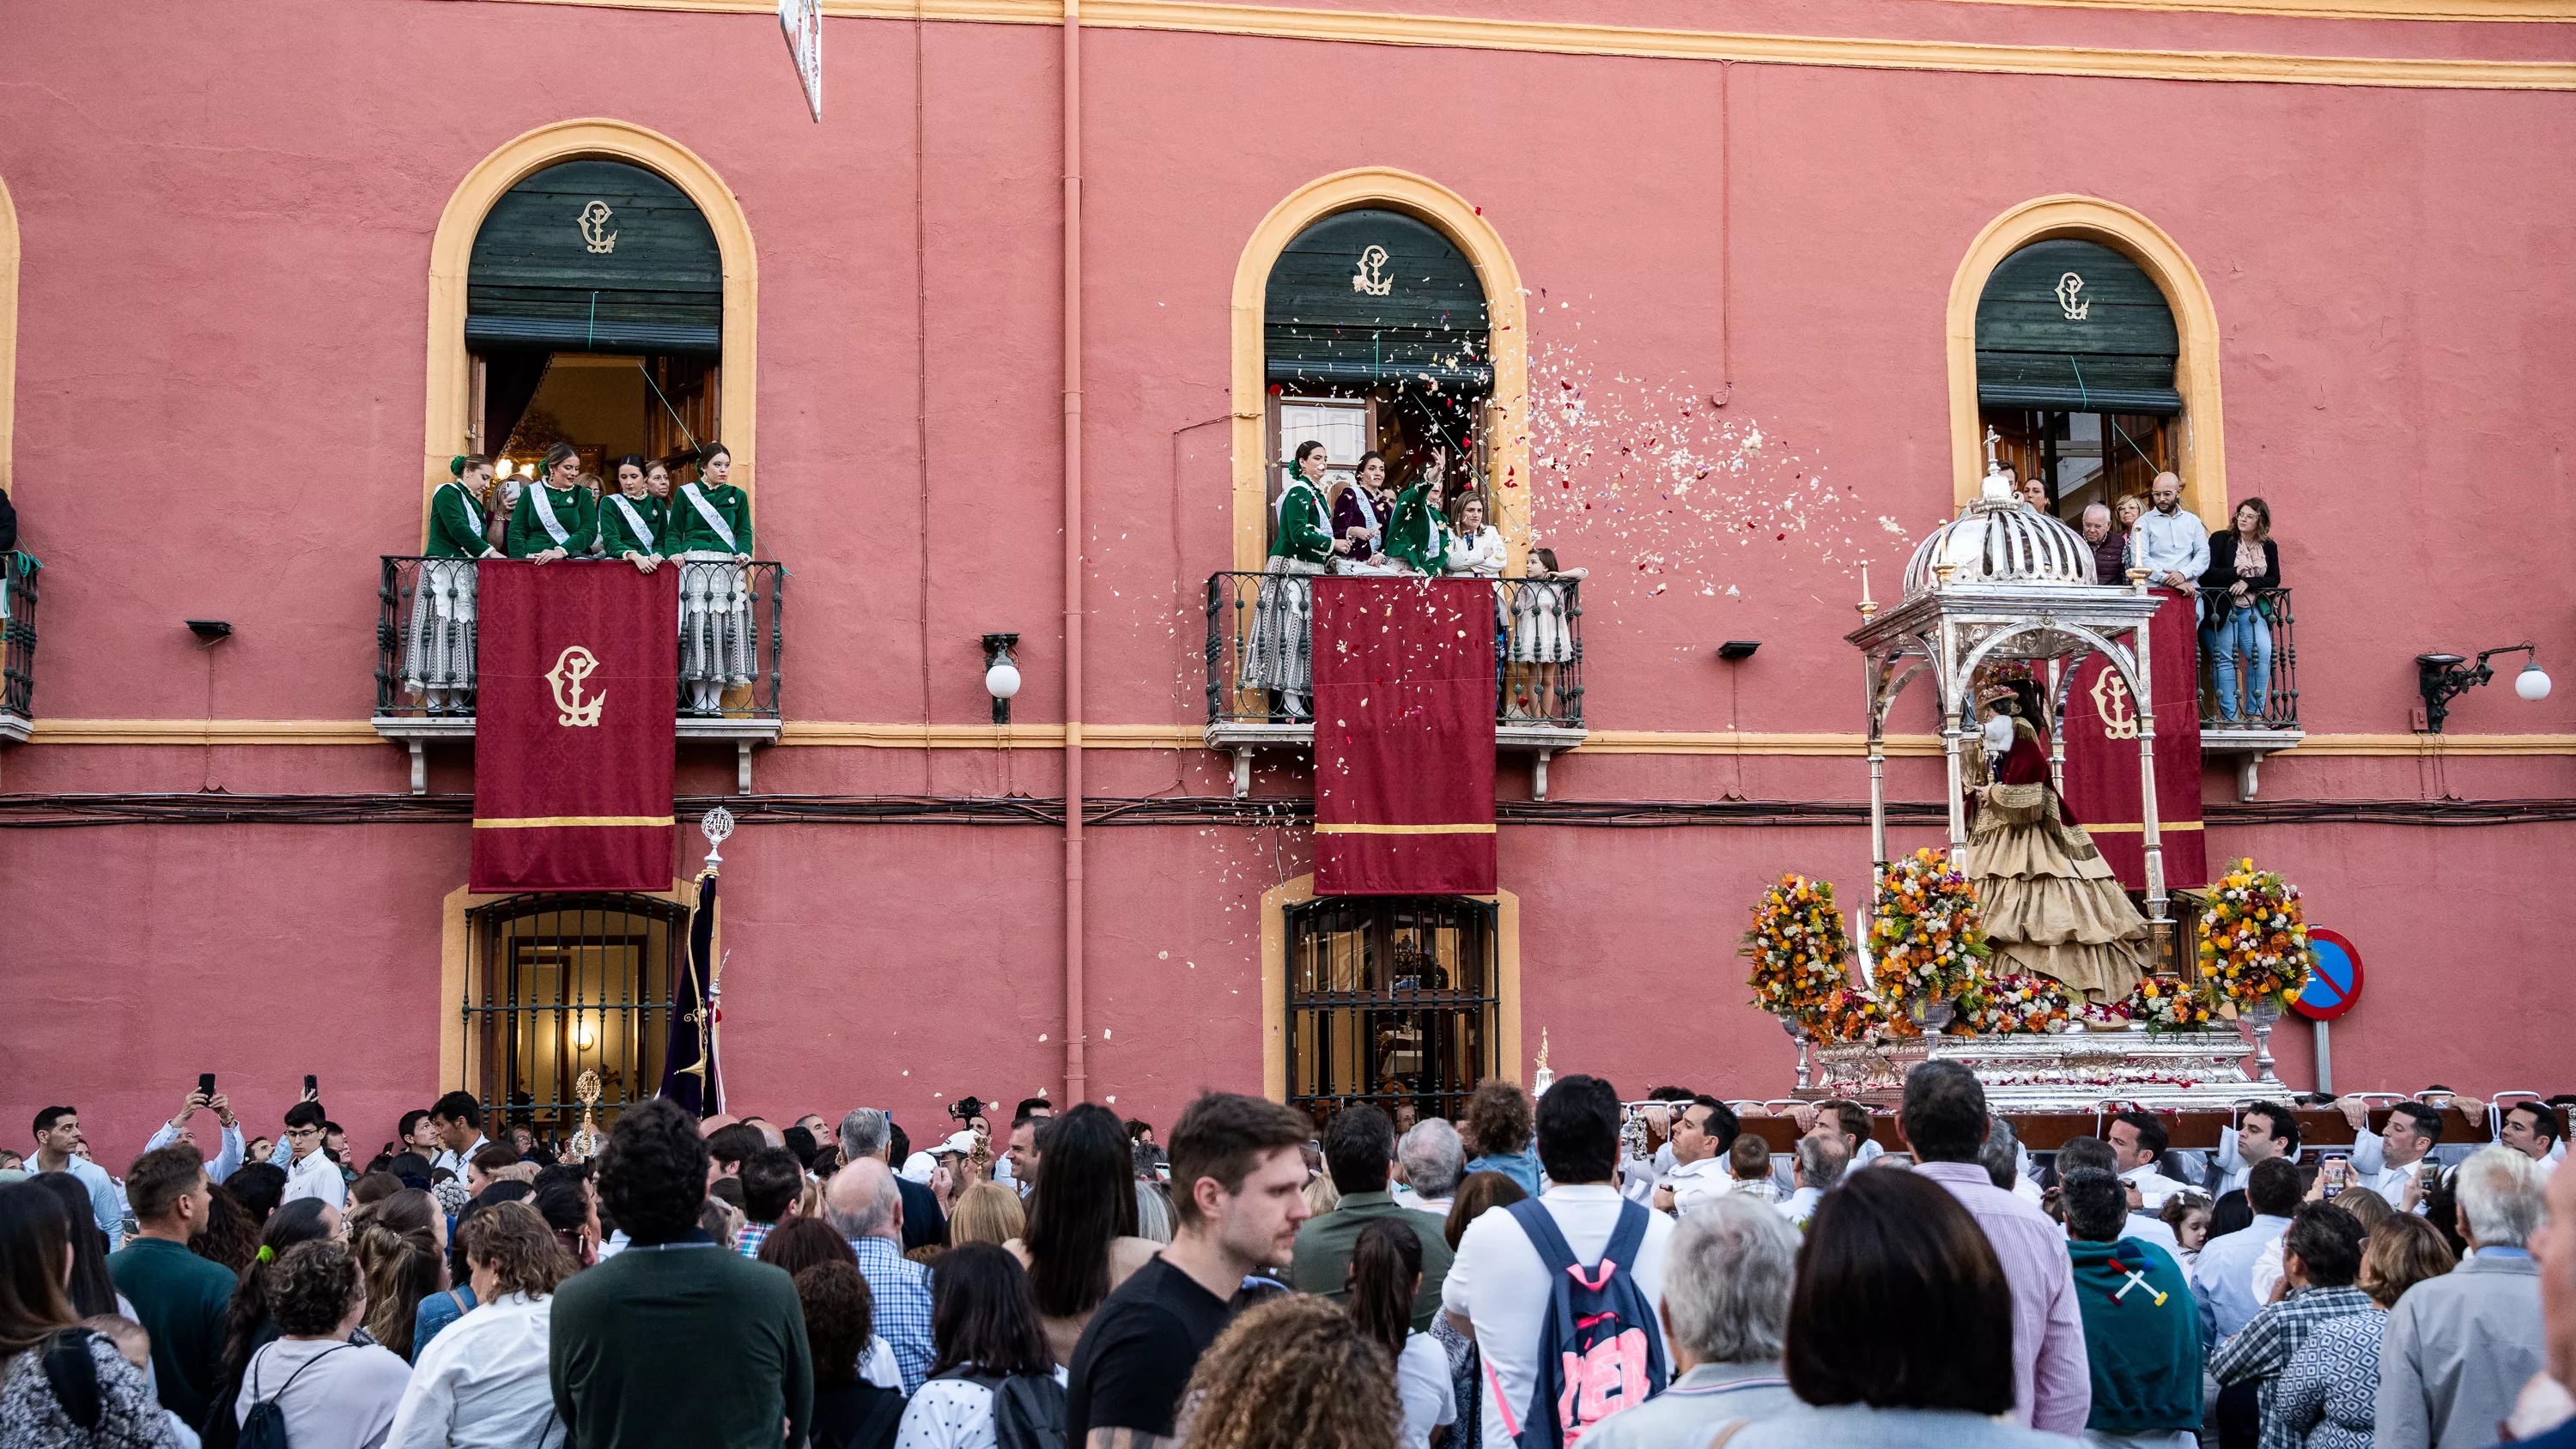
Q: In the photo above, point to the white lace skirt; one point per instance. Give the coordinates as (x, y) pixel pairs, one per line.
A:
(715, 620)
(439, 650)
(1541, 632)
(1279, 655)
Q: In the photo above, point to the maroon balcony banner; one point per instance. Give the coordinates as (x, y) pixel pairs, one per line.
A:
(1404, 736)
(574, 727)
(2102, 754)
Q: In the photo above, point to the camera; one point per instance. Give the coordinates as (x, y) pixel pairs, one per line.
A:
(965, 1109)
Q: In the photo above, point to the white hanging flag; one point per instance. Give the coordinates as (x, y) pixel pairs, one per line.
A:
(802, 22)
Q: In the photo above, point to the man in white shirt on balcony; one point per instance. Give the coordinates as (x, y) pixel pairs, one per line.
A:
(2170, 544)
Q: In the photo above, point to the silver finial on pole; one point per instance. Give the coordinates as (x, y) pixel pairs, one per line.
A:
(715, 827)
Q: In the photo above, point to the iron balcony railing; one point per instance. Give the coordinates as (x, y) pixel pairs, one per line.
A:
(2281, 688)
(18, 633)
(1538, 652)
(401, 611)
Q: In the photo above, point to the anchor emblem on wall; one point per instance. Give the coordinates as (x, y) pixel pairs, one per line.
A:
(594, 226)
(2111, 703)
(573, 668)
(2067, 287)
(1371, 277)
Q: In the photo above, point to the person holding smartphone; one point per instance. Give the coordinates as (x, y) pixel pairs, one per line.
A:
(184, 1128)
(2385, 1161)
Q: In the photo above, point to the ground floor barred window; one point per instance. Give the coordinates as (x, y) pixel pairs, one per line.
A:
(566, 983)
(1392, 1000)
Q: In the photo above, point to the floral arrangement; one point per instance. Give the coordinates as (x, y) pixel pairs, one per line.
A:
(1993, 1005)
(1929, 936)
(1797, 946)
(1846, 1015)
(2165, 1003)
(2253, 940)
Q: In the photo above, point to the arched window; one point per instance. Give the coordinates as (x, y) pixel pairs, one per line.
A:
(521, 284)
(2099, 401)
(595, 316)
(1391, 1000)
(1375, 337)
(2076, 352)
(560, 984)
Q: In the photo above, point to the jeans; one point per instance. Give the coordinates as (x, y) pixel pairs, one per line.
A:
(2244, 630)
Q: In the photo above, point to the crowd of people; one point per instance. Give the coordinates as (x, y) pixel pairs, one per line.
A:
(1535, 1273)
(1362, 524)
(564, 512)
(2230, 577)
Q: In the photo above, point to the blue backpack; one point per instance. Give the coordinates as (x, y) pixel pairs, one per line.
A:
(1600, 1349)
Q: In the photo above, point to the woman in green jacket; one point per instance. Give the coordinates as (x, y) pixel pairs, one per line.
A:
(1419, 535)
(631, 520)
(709, 531)
(1279, 655)
(557, 518)
(438, 656)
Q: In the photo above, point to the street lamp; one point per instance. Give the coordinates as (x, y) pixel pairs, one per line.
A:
(2441, 678)
(1001, 675)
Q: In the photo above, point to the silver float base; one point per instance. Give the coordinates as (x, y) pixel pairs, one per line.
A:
(2070, 1071)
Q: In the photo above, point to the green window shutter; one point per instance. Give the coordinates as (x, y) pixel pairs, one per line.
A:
(2075, 326)
(1371, 295)
(595, 256)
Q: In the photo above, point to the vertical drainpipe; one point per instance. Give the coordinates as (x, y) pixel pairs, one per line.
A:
(1074, 1085)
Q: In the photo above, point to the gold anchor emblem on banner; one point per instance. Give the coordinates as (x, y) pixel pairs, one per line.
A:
(2111, 703)
(572, 667)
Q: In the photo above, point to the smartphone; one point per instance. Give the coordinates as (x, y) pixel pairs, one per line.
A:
(310, 1087)
(2337, 1172)
(205, 1084)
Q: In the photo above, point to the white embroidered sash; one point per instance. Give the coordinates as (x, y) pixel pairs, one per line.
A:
(707, 511)
(635, 521)
(546, 515)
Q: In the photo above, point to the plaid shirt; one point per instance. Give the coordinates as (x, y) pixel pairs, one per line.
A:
(2268, 1343)
(753, 1235)
(902, 1290)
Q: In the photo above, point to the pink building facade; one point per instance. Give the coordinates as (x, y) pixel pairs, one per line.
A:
(240, 236)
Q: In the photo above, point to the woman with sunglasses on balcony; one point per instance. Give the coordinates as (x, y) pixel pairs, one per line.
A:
(2244, 565)
(438, 655)
(710, 527)
(631, 520)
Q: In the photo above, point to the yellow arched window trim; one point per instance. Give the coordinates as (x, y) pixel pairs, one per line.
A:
(450, 370)
(2202, 431)
(1507, 451)
(1274, 982)
(8, 332)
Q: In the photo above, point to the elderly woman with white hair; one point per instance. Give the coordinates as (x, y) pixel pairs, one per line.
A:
(1727, 1276)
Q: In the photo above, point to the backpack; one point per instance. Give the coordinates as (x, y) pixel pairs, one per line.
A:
(264, 1427)
(72, 1377)
(1028, 1409)
(1599, 1348)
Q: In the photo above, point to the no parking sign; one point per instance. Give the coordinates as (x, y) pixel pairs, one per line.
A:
(2334, 977)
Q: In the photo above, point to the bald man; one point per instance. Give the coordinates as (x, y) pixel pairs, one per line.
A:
(863, 1204)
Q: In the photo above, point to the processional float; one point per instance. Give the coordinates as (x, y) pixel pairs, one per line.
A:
(2005, 584)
